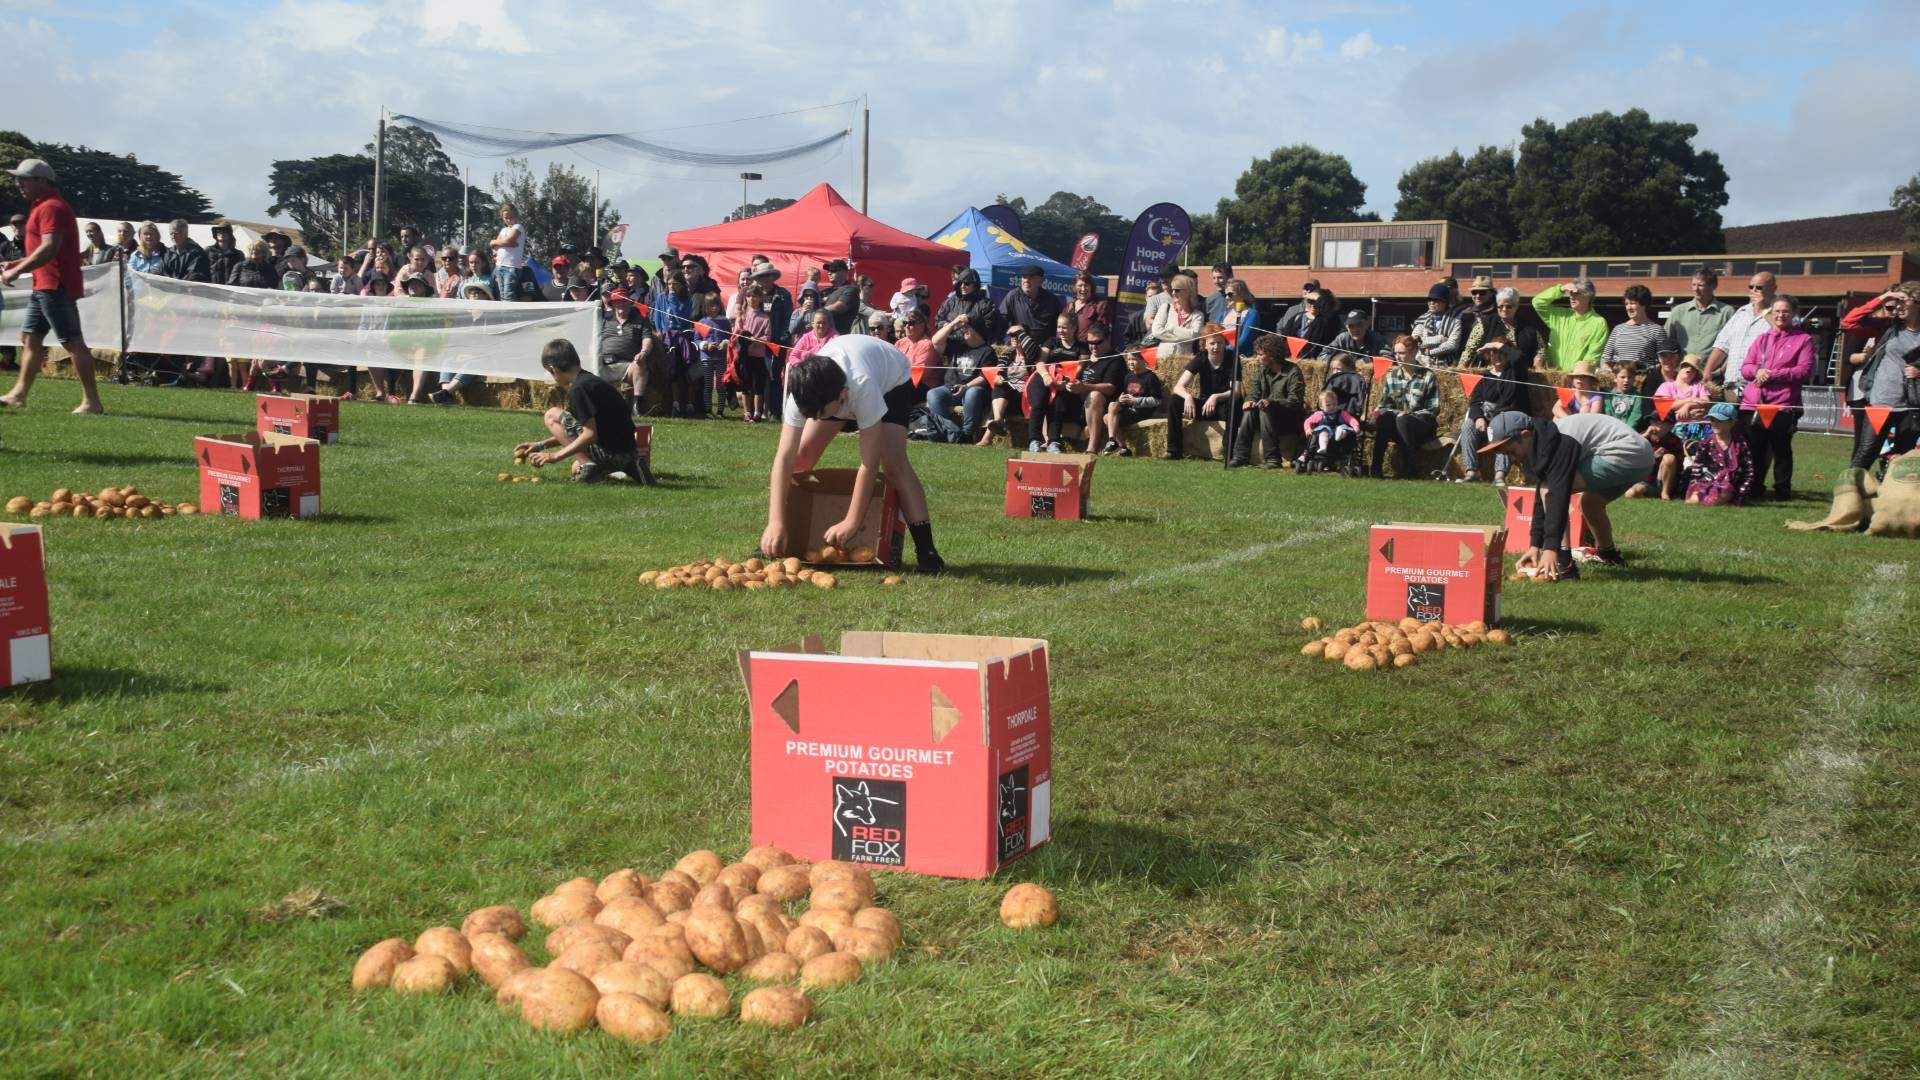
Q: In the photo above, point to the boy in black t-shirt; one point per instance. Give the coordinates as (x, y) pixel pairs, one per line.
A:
(1101, 373)
(594, 428)
(1139, 399)
(1204, 391)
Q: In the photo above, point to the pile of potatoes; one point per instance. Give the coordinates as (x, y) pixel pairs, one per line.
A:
(516, 478)
(723, 573)
(831, 556)
(109, 502)
(1370, 646)
(630, 953)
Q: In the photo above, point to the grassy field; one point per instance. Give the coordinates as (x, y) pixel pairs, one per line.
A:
(1671, 832)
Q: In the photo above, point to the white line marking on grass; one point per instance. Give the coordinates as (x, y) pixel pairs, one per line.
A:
(1769, 935)
(1326, 531)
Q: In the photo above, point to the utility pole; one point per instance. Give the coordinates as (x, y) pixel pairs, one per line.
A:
(379, 166)
(866, 138)
(466, 207)
(744, 177)
(595, 240)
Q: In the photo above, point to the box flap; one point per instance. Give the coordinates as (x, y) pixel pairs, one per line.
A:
(945, 647)
(1487, 531)
(809, 644)
(262, 441)
(9, 531)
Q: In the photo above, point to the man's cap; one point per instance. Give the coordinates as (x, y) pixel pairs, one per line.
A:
(1450, 282)
(619, 296)
(222, 227)
(296, 251)
(1722, 410)
(836, 266)
(580, 283)
(670, 255)
(560, 260)
(596, 253)
(35, 168)
(1504, 428)
(276, 234)
(766, 270)
(1482, 283)
(1440, 292)
(1356, 315)
(1032, 270)
(1310, 283)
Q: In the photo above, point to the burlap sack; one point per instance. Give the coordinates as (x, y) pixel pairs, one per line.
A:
(1852, 505)
(1896, 509)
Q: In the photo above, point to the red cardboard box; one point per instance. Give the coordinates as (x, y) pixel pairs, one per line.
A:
(305, 416)
(819, 500)
(1434, 573)
(254, 475)
(1049, 485)
(24, 625)
(1519, 503)
(925, 752)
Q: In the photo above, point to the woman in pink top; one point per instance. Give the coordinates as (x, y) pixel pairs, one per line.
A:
(819, 332)
(754, 330)
(1778, 364)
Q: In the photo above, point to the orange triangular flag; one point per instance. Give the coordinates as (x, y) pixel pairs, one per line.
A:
(1296, 346)
(1566, 395)
(701, 330)
(1070, 368)
(1151, 354)
(1468, 380)
(1663, 407)
(1766, 414)
(991, 373)
(775, 348)
(1878, 415)
(646, 312)
(1381, 365)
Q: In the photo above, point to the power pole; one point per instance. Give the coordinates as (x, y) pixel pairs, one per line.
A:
(379, 166)
(595, 241)
(866, 138)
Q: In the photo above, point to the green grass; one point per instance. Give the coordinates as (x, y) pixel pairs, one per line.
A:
(1557, 859)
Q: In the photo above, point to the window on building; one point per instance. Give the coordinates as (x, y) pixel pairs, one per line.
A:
(1340, 254)
(1385, 253)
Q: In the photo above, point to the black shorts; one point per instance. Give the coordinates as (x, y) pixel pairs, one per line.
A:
(1130, 415)
(899, 405)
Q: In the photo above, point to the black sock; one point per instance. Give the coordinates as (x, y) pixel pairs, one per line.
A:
(922, 538)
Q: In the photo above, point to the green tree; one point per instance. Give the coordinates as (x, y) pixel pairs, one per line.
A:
(1055, 225)
(1906, 199)
(421, 188)
(754, 210)
(100, 184)
(1275, 203)
(1616, 185)
(556, 209)
(1472, 191)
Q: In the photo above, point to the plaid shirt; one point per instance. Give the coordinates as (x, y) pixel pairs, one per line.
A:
(1410, 390)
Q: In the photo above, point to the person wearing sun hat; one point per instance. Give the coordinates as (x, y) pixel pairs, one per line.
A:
(1585, 381)
(1589, 455)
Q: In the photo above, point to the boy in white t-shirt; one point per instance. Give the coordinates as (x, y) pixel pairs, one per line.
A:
(869, 382)
(509, 252)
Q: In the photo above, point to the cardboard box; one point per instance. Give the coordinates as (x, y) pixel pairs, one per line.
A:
(819, 500)
(925, 752)
(25, 633)
(1519, 503)
(254, 475)
(1049, 485)
(1434, 573)
(304, 416)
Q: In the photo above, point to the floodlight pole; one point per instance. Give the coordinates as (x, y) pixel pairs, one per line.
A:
(595, 241)
(744, 177)
(379, 168)
(466, 207)
(866, 157)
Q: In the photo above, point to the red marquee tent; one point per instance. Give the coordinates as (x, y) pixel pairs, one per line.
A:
(821, 227)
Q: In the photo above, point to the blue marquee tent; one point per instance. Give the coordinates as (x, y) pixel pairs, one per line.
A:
(999, 256)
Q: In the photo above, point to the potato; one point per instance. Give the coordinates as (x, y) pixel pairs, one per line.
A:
(871, 946)
(784, 883)
(1028, 905)
(644, 981)
(700, 995)
(829, 555)
(770, 928)
(860, 555)
(678, 918)
(893, 579)
(506, 477)
(805, 575)
(774, 967)
(827, 919)
(559, 909)
(496, 958)
(1499, 637)
(756, 944)
(757, 906)
(626, 1016)
(1403, 659)
(559, 941)
(620, 883)
(424, 974)
(684, 880)
(831, 869)
(781, 1008)
(1313, 648)
(631, 915)
(824, 580)
(669, 896)
(1311, 624)
(375, 966)
(715, 895)
(670, 958)
(744, 875)
(830, 971)
(790, 564)
(507, 994)
(1360, 660)
(588, 957)
(842, 895)
(448, 944)
(1337, 650)
(560, 1000)
(715, 938)
(806, 942)
(19, 504)
(874, 918)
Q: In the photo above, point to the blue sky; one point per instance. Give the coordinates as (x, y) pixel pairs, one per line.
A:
(1129, 101)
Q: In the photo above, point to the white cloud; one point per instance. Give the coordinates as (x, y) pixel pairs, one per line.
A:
(1359, 46)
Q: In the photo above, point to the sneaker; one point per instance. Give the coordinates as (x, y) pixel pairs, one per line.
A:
(1609, 557)
(1272, 463)
(1125, 451)
(1173, 457)
(1471, 478)
(1112, 447)
(929, 562)
(1569, 571)
(1054, 448)
(996, 427)
(1586, 554)
(1033, 446)
(1499, 479)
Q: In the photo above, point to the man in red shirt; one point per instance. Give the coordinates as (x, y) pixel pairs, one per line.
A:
(52, 246)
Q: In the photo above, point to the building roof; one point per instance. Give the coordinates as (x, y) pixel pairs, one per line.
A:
(1875, 230)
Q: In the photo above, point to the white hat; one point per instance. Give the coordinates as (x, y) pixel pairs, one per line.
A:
(35, 168)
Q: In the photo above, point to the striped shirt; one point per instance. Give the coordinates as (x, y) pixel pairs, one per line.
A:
(1638, 344)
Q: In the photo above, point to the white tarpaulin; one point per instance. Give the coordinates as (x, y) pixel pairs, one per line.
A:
(468, 337)
(99, 308)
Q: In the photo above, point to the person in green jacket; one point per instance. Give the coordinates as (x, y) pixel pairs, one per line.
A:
(1624, 402)
(1575, 332)
(1276, 402)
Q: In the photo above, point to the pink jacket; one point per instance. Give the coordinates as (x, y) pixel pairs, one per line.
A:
(808, 345)
(1788, 357)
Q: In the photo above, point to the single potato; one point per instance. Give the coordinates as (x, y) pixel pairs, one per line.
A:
(644, 981)
(424, 974)
(448, 944)
(804, 943)
(375, 966)
(782, 1008)
(784, 883)
(1028, 905)
(702, 866)
(700, 995)
(629, 1017)
(774, 967)
(716, 940)
(498, 919)
(560, 1000)
(496, 958)
(830, 971)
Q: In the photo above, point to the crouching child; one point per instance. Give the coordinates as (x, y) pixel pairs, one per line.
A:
(594, 429)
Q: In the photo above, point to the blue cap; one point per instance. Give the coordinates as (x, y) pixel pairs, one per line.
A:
(1722, 410)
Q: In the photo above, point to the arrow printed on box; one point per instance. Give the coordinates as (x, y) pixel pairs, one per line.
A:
(1386, 550)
